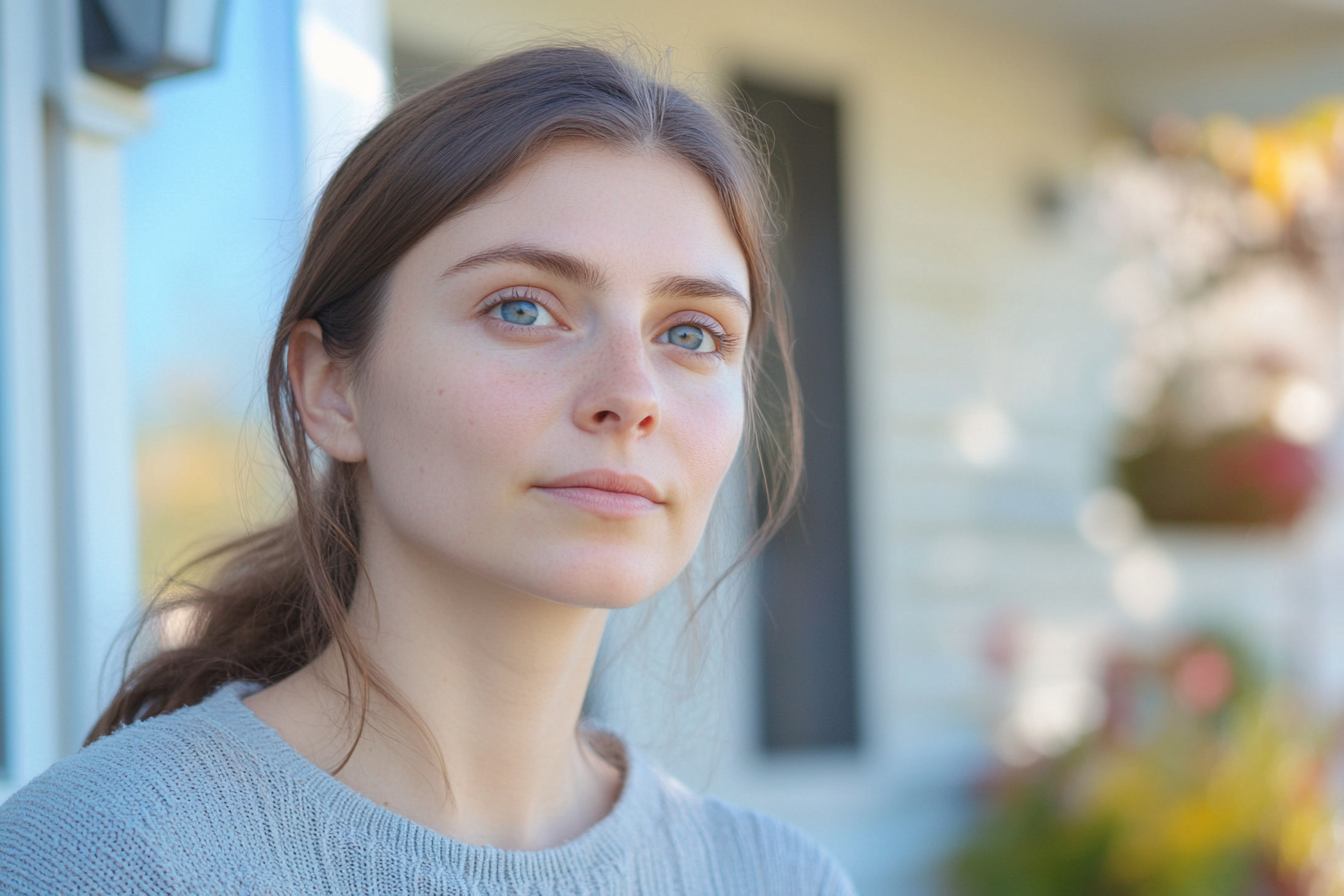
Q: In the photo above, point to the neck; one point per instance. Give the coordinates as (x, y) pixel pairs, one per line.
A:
(495, 680)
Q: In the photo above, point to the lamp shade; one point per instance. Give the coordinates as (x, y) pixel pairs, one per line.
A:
(138, 41)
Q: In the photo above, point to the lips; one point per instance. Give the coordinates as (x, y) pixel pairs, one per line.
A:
(605, 493)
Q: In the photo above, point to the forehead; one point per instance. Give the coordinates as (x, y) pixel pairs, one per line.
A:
(634, 214)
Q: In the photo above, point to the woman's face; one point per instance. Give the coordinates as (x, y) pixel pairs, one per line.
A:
(555, 392)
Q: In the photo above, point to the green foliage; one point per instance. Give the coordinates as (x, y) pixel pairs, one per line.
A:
(1202, 781)
(1027, 844)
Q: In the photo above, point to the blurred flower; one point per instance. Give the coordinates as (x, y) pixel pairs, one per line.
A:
(1053, 697)
(1202, 780)
(1303, 411)
(1204, 679)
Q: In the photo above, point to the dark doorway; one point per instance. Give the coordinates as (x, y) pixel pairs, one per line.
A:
(807, 633)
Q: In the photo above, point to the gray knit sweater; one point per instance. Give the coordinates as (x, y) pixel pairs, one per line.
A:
(210, 800)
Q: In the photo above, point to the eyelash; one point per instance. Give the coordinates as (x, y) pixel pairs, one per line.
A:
(725, 341)
(516, 294)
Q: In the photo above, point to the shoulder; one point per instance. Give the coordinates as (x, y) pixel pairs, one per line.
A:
(110, 815)
(748, 851)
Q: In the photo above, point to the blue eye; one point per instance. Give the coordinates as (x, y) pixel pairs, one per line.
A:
(690, 337)
(523, 313)
(519, 312)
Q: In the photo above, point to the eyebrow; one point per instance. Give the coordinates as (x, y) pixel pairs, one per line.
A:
(587, 274)
(701, 288)
(561, 264)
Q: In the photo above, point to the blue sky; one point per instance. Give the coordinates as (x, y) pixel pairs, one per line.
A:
(214, 220)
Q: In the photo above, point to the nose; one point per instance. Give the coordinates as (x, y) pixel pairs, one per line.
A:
(618, 395)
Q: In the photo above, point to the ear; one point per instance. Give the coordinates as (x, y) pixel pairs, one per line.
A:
(322, 394)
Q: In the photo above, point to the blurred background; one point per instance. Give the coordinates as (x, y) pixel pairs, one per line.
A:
(1063, 610)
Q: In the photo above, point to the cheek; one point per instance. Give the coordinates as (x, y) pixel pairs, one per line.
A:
(481, 406)
(709, 431)
(445, 429)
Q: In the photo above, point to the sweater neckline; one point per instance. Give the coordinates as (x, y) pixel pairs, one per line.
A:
(599, 851)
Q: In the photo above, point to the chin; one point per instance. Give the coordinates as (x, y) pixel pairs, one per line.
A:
(609, 585)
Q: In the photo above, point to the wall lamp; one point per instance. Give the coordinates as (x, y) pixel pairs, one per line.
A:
(138, 41)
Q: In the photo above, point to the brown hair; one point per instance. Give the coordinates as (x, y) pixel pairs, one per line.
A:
(279, 597)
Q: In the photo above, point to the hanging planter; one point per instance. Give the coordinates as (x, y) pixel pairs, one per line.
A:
(1243, 477)
(1228, 244)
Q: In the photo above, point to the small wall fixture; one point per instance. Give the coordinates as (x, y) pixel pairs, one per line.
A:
(138, 41)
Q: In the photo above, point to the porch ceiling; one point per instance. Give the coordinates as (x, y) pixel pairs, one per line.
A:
(1137, 33)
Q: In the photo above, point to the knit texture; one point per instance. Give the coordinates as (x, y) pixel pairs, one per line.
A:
(211, 800)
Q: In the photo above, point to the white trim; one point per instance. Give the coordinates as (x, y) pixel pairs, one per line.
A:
(68, 559)
(98, 106)
(28, 571)
(95, 435)
(99, 531)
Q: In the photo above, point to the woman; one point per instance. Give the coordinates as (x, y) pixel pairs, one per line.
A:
(515, 364)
